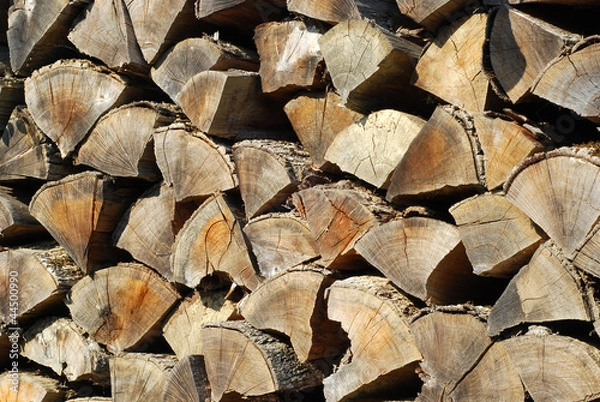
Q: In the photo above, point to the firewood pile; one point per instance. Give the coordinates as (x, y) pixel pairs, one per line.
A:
(272, 200)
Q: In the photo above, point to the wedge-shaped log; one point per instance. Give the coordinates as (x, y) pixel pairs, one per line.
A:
(521, 46)
(566, 209)
(36, 280)
(187, 381)
(212, 242)
(504, 144)
(572, 82)
(120, 144)
(374, 314)
(338, 215)
(245, 361)
(431, 14)
(269, 171)
(441, 275)
(371, 148)
(451, 67)
(121, 306)
(498, 237)
(547, 289)
(137, 377)
(280, 241)
(84, 224)
(554, 367)
(452, 168)
(66, 99)
(105, 31)
(37, 32)
(451, 344)
(26, 153)
(293, 303)
(63, 346)
(183, 328)
(194, 55)
(290, 56)
(16, 223)
(31, 387)
(241, 16)
(370, 66)
(317, 118)
(148, 229)
(587, 256)
(11, 95)
(230, 104)
(193, 164)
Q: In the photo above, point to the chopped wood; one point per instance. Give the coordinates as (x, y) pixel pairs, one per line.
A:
(371, 305)
(432, 14)
(369, 66)
(241, 16)
(498, 237)
(193, 164)
(290, 56)
(182, 329)
(137, 377)
(120, 144)
(194, 55)
(317, 118)
(280, 241)
(11, 95)
(586, 256)
(293, 303)
(545, 290)
(187, 381)
(269, 171)
(121, 306)
(83, 226)
(16, 223)
(29, 386)
(371, 148)
(245, 361)
(212, 242)
(63, 346)
(66, 99)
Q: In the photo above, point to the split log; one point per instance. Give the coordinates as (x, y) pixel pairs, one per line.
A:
(451, 67)
(317, 119)
(547, 289)
(521, 46)
(187, 381)
(239, 15)
(338, 215)
(498, 237)
(505, 144)
(293, 303)
(369, 66)
(66, 98)
(231, 104)
(26, 153)
(183, 327)
(244, 361)
(91, 399)
(63, 346)
(554, 367)
(138, 377)
(586, 256)
(447, 142)
(371, 148)
(105, 31)
(573, 82)
(194, 55)
(83, 226)
(30, 387)
(11, 95)
(290, 56)
(16, 223)
(39, 278)
(193, 164)
(442, 275)
(121, 306)
(374, 314)
(212, 242)
(565, 209)
(431, 14)
(269, 171)
(148, 229)
(280, 241)
(451, 344)
(120, 144)
(37, 32)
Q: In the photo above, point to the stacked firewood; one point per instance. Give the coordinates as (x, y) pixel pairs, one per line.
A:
(274, 200)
